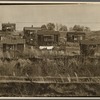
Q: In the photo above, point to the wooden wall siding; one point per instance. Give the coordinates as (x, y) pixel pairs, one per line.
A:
(75, 36)
(13, 49)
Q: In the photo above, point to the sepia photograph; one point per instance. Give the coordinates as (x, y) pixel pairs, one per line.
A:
(50, 50)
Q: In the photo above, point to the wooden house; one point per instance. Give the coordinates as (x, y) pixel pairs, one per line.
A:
(8, 27)
(75, 36)
(13, 46)
(48, 37)
(90, 47)
(30, 34)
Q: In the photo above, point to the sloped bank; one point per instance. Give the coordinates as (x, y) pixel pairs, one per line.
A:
(49, 90)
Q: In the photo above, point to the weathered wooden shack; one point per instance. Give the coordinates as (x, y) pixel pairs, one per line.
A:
(48, 37)
(30, 34)
(13, 46)
(90, 47)
(75, 36)
(8, 27)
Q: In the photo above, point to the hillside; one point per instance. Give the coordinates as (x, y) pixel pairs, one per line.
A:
(93, 35)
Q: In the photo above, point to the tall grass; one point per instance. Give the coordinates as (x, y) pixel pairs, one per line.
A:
(48, 67)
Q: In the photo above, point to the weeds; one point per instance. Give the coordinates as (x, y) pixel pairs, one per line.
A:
(49, 67)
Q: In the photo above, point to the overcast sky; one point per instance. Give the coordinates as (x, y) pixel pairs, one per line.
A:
(36, 15)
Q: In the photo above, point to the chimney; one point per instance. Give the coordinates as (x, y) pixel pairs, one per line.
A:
(32, 26)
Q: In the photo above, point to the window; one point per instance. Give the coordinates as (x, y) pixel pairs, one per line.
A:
(75, 37)
(48, 38)
(9, 47)
(31, 32)
(81, 38)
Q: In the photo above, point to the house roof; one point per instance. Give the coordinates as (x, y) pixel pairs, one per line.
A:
(46, 32)
(32, 28)
(13, 41)
(77, 32)
(7, 24)
(63, 32)
(90, 42)
(5, 33)
(15, 33)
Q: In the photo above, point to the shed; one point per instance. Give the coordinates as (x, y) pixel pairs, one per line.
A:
(48, 37)
(75, 36)
(90, 47)
(13, 46)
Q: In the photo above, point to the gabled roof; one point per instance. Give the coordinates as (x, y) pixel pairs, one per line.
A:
(14, 33)
(90, 42)
(63, 32)
(5, 33)
(76, 32)
(7, 24)
(13, 41)
(32, 28)
(46, 32)
(17, 33)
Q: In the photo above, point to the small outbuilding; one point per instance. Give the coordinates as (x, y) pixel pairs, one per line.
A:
(13, 46)
(48, 37)
(90, 47)
(75, 36)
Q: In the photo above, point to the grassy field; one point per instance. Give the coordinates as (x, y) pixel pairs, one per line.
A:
(93, 35)
(50, 67)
